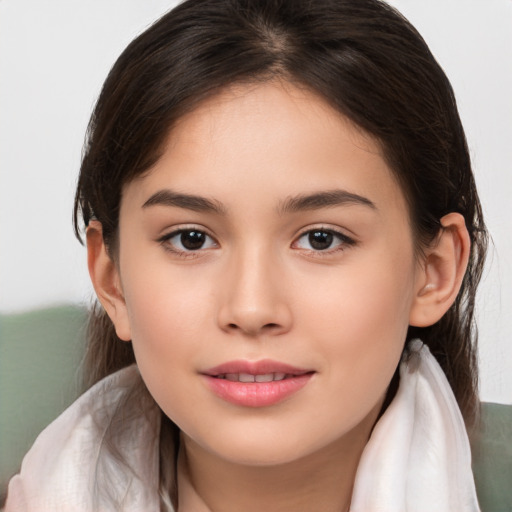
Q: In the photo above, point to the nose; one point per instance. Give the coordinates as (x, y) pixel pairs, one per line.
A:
(254, 296)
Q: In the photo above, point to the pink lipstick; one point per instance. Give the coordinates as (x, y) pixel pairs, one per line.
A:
(256, 384)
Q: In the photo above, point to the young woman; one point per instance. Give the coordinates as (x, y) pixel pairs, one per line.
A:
(279, 206)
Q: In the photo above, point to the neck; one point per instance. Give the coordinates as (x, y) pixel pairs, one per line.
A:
(320, 481)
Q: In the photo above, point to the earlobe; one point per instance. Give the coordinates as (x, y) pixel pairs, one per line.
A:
(105, 279)
(440, 277)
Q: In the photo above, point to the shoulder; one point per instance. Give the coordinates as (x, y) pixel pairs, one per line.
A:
(491, 447)
(101, 451)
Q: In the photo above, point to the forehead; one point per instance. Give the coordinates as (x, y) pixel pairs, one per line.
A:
(272, 138)
(285, 111)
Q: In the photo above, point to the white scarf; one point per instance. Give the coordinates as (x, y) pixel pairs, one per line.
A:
(418, 457)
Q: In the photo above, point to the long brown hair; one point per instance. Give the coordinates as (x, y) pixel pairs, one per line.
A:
(363, 57)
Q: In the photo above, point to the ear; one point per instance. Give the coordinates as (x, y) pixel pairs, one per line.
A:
(105, 279)
(440, 277)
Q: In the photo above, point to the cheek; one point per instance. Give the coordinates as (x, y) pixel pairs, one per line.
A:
(360, 321)
(166, 322)
(166, 340)
(162, 299)
(363, 301)
(167, 316)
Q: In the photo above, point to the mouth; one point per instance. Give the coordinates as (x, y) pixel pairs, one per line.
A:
(256, 384)
(248, 377)
(247, 369)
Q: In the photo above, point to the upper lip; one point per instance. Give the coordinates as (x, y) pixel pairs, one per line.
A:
(262, 367)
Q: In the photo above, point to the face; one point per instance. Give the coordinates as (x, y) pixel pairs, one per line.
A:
(270, 243)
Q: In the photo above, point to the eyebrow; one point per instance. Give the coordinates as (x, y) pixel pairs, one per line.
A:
(294, 204)
(325, 199)
(167, 197)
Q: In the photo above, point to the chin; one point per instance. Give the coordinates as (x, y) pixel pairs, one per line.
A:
(260, 449)
(273, 456)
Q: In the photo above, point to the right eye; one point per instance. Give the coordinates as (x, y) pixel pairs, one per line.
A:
(188, 240)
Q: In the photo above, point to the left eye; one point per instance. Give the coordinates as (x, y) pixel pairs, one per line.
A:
(186, 240)
(322, 240)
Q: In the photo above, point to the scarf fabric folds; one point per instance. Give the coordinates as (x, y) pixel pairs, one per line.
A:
(418, 457)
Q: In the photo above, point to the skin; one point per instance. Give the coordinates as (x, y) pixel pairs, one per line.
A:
(257, 289)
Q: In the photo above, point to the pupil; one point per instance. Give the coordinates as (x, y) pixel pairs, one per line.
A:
(192, 240)
(320, 240)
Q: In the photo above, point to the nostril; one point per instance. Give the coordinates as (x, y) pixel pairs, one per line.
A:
(251, 329)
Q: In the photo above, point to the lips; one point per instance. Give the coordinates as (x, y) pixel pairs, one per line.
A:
(262, 367)
(256, 384)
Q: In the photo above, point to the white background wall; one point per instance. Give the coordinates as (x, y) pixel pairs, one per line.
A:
(54, 56)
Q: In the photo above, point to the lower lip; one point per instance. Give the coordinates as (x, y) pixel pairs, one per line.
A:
(257, 394)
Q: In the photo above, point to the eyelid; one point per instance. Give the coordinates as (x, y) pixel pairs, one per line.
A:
(177, 230)
(346, 240)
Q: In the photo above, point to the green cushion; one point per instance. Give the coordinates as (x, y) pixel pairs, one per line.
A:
(492, 458)
(40, 353)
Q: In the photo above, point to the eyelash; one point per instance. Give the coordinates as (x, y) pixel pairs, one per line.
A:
(344, 241)
(165, 242)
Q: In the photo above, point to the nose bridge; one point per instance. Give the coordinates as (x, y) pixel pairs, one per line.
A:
(255, 300)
